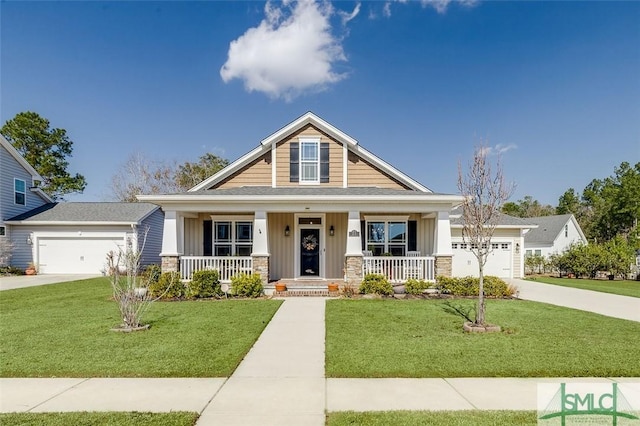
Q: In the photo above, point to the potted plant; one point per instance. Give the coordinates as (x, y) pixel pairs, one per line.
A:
(31, 269)
(333, 287)
(281, 286)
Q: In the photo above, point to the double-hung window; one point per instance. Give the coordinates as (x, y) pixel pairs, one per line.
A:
(20, 191)
(309, 161)
(232, 238)
(387, 237)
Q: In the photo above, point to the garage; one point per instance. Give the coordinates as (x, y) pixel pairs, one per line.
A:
(75, 255)
(498, 264)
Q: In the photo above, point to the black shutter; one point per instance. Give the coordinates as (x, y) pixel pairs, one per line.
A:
(363, 235)
(324, 162)
(412, 235)
(294, 165)
(207, 233)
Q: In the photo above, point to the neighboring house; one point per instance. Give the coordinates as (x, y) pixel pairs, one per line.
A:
(68, 237)
(74, 238)
(506, 258)
(554, 234)
(310, 203)
(19, 190)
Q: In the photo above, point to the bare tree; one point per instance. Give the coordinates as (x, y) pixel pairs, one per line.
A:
(142, 175)
(6, 250)
(485, 190)
(130, 289)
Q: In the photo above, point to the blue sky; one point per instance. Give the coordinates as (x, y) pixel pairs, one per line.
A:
(554, 86)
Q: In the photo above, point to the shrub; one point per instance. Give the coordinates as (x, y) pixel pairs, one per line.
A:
(205, 284)
(416, 287)
(169, 286)
(468, 286)
(151, 274)
(376, 284)
(11, 270)
(245, 285)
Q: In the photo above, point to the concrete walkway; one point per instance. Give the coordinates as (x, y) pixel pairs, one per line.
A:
(611, 305)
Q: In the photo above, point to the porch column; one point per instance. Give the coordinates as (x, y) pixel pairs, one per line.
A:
(170, 254)
(260, 254)
(443, 253)
(353, 253)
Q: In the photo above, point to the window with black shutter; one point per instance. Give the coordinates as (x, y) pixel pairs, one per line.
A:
(294, 165)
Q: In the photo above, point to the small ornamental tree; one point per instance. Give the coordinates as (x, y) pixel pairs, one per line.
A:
(130, 288)
(485, 191)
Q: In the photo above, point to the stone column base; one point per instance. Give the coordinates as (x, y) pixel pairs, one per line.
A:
(353, 270)
(443, 266)
(261, 267)
(170, 263)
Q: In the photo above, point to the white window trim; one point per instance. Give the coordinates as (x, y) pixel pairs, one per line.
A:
(233, 240)
(3, 231)
(15, 191)
(386, 220)
(308, 140)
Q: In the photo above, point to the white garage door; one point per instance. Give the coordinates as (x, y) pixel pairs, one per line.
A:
(498, 264)
(75, 255)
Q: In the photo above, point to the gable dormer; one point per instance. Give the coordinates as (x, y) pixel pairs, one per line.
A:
(310, 152)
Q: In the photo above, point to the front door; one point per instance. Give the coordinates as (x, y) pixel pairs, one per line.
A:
(309, 252)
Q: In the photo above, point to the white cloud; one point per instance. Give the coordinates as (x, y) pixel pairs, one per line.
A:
(291, 52)
(346, 17)
(498, 149)
(439, 5)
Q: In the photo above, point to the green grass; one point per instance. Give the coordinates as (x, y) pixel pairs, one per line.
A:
(423, 418)
(176, 418)
(63, 330)
(623, 288)
(416, 338)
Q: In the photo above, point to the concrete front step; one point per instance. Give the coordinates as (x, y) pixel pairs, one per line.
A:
(293, 292)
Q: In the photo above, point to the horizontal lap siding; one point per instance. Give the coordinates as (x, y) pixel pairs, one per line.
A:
(10, 169)
(335, 158)
(362, 174)
(153, 225)
(257, 173)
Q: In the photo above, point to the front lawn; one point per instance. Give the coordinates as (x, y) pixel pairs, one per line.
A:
(176, 418)
(623, 288)
(416, 338)
(62, 330)
(426, 418)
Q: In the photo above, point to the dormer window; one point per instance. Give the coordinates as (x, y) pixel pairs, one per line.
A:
(20, 192)
(309, 161)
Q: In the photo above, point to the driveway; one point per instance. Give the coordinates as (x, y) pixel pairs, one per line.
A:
(20, 281)
(611, 305)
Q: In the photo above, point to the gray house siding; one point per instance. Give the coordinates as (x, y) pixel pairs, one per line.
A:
(22, 252)
(10, 169)
(153, 245)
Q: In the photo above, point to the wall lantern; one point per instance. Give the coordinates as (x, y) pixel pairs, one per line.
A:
(517, 247)
(332, 231)
(29, 239)
(287, 231)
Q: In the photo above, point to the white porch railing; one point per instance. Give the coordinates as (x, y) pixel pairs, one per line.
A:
(227, 266)
(399, 269)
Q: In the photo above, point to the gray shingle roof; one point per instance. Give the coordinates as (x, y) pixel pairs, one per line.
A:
(308, 191)
(548, 229)
(503, 220)
(88, 212)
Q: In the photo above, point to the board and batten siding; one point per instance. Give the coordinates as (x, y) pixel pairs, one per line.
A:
(283, 157)
(153, 225)
(281, 261)
(257, 173)
(10, 169)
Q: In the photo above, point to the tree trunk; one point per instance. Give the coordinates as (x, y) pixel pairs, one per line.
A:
(481, 308)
